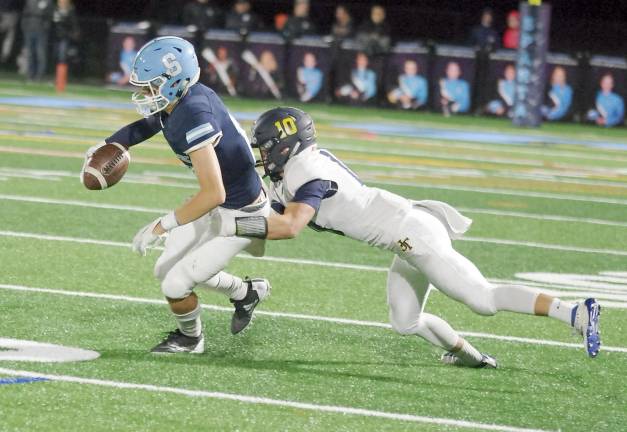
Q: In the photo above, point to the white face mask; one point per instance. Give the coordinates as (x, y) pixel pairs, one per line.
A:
(148, 99)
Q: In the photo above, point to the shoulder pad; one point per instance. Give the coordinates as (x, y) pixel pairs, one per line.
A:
(302, 169)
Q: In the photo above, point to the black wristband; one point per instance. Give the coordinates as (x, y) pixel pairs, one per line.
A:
(251, 226)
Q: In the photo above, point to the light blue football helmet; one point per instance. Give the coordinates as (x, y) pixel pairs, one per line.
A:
(163, 69)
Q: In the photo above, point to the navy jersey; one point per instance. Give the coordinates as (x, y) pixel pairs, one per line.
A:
(201, 119)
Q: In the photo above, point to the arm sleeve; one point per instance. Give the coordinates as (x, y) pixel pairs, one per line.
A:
(136, 132)
(201, 130)
(312, 193)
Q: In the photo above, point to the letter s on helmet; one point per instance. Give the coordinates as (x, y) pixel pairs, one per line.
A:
(163, 69)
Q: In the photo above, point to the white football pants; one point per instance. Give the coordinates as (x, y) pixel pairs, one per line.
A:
(193, 255)
(427, 256)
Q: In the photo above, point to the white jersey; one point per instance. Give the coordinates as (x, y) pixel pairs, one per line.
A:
(363, 213)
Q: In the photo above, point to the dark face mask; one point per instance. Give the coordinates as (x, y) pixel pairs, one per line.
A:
(274, 156)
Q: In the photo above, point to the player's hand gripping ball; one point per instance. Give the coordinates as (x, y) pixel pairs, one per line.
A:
(104, 166)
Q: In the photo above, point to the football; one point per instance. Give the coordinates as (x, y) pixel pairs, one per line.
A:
(106, 167)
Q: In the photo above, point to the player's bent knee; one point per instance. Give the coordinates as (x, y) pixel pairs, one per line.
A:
(484, 305)
(175, 287)
(404, 329)
(405, 325)
(160, 271)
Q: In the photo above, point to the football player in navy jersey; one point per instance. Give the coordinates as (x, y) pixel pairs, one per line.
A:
(310, 186)
(205, 137)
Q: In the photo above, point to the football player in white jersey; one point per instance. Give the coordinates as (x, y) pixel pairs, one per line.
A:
(312, 187)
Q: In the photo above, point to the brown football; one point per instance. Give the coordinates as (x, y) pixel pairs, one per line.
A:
(106, 167)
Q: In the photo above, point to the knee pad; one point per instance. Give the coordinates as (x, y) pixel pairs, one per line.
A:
(176, 286)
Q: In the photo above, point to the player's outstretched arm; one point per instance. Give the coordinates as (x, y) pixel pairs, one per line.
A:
(276, 227)
(136, 132)
(289, 224)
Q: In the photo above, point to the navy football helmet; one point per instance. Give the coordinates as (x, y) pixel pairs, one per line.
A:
(280, 134)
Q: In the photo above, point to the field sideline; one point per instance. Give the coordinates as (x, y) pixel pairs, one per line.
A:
(548, 207)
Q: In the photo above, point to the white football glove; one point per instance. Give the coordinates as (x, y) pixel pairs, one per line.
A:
(145, 238)
(88, 154)
(223, 225)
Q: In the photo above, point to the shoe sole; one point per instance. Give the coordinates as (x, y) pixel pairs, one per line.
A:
(200, 349)
(452, 360)
(592, 338)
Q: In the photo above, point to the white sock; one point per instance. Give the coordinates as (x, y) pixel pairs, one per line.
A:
(562, 310)
(231, 286)
(436, 331)
(467, 353)
(189, 324)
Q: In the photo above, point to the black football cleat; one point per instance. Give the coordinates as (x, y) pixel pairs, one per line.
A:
(258, 290)
(177, 342)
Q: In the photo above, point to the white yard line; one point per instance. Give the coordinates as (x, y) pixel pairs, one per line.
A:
(128, 245)
(505, 192)
(540, 216)
(607, 298)
(140, 209)
(76, 203)
(548, 246)
(114, 121)
(517, 243)
(435, 155)
(374, 180)
(430, 172)
(297, 316)
(272, 402)
(488, 148)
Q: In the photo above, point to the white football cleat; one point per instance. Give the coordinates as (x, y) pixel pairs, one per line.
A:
(487, 361)
(586, 322)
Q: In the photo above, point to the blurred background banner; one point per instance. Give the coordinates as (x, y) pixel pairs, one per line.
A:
(562, 87)
(125, 39)
(504, 75)
(308, 69)
(178, 31)
(263, 65)
(221, 61)
(606, 90)
(358, 76)
(452, 79)
(498, 87)
(406, 77)
(535, 22)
